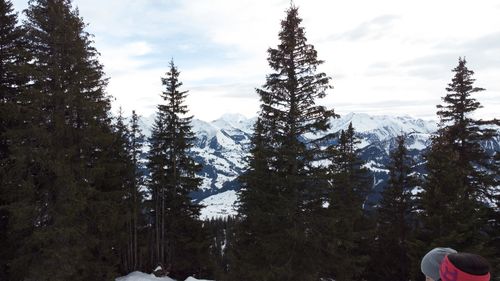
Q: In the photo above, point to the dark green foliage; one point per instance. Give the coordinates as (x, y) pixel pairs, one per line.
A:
(221, 231)
(275, 240)
(135, 193)
(347, 224)
(64, 181)
(179, 238)
(12, 81)
(12, 61)
(395, 219)
(494, 231)
(131, 140)
(461, 175)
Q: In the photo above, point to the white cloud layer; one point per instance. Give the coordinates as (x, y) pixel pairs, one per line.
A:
(385, 57)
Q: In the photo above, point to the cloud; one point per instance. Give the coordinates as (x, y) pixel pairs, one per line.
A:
(377, 52)
(238, 90)
(480, 52)
(372, 29)
(389, 107)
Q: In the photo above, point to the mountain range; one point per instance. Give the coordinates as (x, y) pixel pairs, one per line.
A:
(222, 147)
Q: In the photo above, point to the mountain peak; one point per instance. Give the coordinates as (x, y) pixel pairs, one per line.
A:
(233, 117)
(390, 125)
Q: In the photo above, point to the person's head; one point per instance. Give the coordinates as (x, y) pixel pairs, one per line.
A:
(431, 262)
(464, 267)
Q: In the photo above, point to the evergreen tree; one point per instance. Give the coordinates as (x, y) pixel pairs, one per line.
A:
(12, 58)
(350, 183)
(12, 81)
(394, 218)
(63, 181)
(280, 187)
(494, 231)
(136, 142)
(131, 139)
(221, 237)
(134, 254)
(178, 233)
(460, 178)
(126, 168)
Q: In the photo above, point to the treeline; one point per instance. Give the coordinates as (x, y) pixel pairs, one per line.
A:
(77, 201)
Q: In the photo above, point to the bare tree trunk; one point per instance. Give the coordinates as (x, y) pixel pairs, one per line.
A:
(135, 215)
(130, 253)
(157, 227)
(163, 226)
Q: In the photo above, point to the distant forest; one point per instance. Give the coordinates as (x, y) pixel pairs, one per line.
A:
(76, 204)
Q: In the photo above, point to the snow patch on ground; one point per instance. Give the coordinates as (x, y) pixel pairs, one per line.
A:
(140, 276)
(194, 279)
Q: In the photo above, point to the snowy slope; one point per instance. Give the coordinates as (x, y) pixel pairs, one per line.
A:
(219, 205)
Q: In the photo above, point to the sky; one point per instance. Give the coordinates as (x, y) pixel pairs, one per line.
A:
(385, 57)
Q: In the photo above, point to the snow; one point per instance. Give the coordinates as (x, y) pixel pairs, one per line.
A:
(232, 133)
(219, 205)
(231, 121)
(372, 166)
(222, 146)
(203, 128)
(140, 276)
(194, 279)
(221, 179)
(417, 145)
(416, 190)
(383, 127)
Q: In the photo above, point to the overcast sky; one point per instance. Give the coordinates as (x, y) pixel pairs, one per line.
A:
(385, 57)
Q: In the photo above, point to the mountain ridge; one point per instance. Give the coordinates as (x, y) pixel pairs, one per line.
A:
(222, 146)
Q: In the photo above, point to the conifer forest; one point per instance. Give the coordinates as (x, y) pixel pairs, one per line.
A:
(86, 194)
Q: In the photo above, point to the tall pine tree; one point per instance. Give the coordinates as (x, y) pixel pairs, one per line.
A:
(280, 187)
(12, 82)
(494, 231)
(179, 237)
(347, 224)
(395, 215)
(63, 180)
(461, 175)
(136, 142)
(12, 59)
(128, 138)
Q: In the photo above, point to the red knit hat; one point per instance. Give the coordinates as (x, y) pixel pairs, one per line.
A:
(449, 272)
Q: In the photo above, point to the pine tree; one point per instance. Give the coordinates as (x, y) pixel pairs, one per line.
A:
(12, 58)
(12, 81)
(126, 168)
(178, 233)
(130, 137)
(394, 218)
(350, 184)
(63, 181)
(279, 188)
(136, 142)
(494, 231)
(460, 173)
(221, 237)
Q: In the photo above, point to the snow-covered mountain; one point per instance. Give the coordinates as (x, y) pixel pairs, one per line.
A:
(222, 146)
